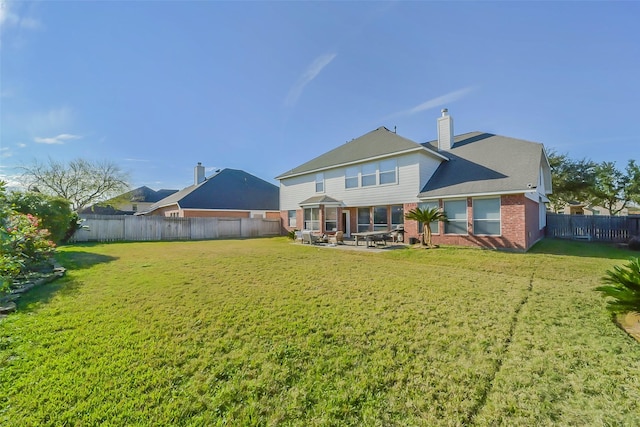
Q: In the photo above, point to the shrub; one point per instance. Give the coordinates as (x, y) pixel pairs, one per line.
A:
(54, 212)
(623, 285)
(634, 243)
(24, 245)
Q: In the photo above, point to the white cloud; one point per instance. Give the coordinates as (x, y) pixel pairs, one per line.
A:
(60, 139)
(310, 73)
(5, 152)
(437, 102)
(21, 145)
(10, 17)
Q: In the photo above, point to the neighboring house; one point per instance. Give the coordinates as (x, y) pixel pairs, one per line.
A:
(138, 200)
(229, 193)
(492, 188)
(579, 208)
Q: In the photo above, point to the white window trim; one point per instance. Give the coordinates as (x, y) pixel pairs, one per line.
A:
(316, 182)
(473, 219)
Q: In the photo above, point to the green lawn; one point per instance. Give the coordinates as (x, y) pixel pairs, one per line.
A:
(265, 332)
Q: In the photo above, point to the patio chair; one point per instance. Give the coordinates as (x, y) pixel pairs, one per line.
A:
(310, 238)
(337, 238)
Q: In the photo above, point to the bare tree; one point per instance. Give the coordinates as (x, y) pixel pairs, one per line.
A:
(82, 182)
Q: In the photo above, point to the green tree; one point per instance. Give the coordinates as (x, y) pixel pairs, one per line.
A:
(80, 181)
(572, 180)
(55, 213)
(615, 189)
(426, 217)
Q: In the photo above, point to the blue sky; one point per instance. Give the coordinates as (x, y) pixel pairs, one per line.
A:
(158, 86)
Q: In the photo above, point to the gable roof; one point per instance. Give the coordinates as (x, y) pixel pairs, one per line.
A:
(227, 189)
(146, 194)
(377, 143)
(484, 163)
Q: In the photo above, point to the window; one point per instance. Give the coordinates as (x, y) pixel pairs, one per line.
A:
(456, 211)
(351, 177)
(380, 221)
(397, 215)
(388, 172)
(364, 219)
(319, 183)
(134, 207)
(369, 175)
(330, 219)
(312, 219)
(292, 219)
(486, 216)
(435, 225)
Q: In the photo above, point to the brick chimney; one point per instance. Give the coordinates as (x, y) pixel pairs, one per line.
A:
(198, 174)
(445, 131)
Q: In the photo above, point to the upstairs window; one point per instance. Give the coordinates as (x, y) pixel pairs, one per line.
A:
(388, 172)
(369, 172)
(351, 177)
(319, 183)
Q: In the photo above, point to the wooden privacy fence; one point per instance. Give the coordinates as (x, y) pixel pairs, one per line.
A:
(111, 228)
(593, 227)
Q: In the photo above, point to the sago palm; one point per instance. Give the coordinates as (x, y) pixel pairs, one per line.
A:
(426, 217)
(623, 285)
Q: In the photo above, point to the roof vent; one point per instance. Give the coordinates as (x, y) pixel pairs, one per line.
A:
(445, 131)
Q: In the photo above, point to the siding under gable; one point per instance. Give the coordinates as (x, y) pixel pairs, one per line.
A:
(414, 170)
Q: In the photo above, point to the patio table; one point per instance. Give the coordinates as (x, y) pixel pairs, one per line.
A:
(369, 234)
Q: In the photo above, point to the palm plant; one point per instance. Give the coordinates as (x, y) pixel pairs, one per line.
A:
(623, 285)
(426, 217)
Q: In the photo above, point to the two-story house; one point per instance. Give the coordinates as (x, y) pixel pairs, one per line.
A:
(492, 188)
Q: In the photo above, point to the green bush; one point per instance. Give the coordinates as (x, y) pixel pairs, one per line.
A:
(623, 285)
(24, 244)
(55, 213)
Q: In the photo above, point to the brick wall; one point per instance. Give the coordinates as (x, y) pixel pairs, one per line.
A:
(519, 226)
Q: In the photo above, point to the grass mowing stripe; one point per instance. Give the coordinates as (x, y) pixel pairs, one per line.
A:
(507, 342)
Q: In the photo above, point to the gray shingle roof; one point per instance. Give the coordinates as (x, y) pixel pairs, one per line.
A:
(228, 189)
(377, 143)
(320, 200)
(485, 163)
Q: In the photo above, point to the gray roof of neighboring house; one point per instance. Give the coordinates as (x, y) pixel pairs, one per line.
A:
(485, 163)
(146, 194)
(227, 189)
(377, 143)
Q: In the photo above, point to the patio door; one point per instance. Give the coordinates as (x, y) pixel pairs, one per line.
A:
(346, 223)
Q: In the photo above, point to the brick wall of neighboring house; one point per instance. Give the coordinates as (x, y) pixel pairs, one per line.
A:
(514, 226)
(166, 211)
